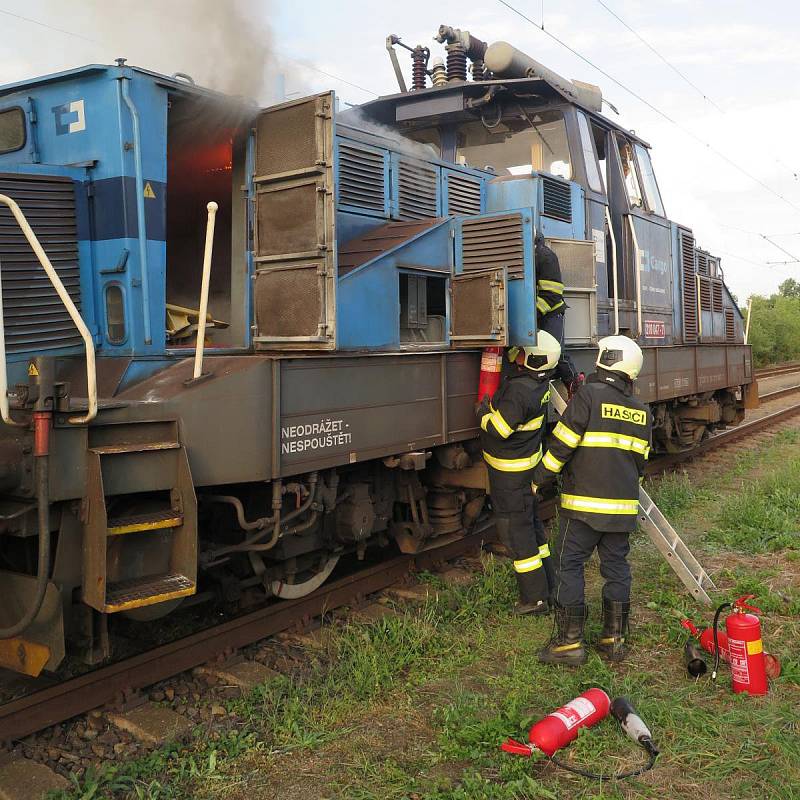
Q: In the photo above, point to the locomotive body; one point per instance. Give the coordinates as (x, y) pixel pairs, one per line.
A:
(361, 261)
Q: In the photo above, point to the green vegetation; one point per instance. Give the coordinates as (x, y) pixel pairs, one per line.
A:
(415, 705)
(775, 325)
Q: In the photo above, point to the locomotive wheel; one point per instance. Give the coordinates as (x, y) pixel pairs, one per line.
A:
(292, 591)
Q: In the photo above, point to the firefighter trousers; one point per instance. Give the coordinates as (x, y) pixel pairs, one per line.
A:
(575, 543)
(523, 533)
(553, 323)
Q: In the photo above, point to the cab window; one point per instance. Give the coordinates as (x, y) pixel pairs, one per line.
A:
(589, 158)
(518, 142)
(651, 193)
(12, 130)
(628, 162)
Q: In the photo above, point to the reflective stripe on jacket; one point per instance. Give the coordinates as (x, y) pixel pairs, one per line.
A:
(600, 445)
(549, 285)
(512, 429)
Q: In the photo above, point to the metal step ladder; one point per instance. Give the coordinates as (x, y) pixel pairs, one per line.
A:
(142, 467)
(662, 534)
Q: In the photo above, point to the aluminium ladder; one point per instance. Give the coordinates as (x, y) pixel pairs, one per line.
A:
(663, 535)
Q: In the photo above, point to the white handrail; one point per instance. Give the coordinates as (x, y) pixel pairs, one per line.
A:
(75, 316)
(749, 311)
(614, 268)
(638, 268)
(201, 322)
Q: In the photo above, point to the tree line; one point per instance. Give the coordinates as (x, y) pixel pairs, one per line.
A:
(775, 325)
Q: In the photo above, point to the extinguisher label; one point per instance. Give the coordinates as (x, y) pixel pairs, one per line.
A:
(574, 712)
(754, 648)
(739, 669)
(491, 362)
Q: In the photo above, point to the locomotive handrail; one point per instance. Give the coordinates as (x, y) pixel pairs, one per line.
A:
(614, 270)
(638, 267)
(204, 287)
(75, 316)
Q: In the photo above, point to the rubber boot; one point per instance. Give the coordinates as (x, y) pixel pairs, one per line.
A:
(611, 645)
(566, 644)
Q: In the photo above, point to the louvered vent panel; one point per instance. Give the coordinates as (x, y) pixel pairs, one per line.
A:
(417, 191)
(362, 175)
(463, 195)
(493, 243)
(702, 264)
(557, 202)
(705, 294)
(730, 326)
(690, 322)
(716, 296)
(35, 317)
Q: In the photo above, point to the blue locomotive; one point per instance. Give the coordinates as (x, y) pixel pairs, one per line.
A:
(238, 343)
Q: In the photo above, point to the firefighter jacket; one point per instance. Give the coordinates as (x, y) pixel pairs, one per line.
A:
(512, 424)
(601, 445)
(549, 286)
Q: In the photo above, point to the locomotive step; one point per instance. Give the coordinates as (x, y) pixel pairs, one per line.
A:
(145, 522)
(133, 447)
(146, 591)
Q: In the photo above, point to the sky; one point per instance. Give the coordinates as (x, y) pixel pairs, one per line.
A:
(724, 136)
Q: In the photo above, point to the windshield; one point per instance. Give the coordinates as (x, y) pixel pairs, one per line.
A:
(518, 144)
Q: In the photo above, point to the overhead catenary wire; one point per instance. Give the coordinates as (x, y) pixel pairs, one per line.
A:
(683, 77)
(686, 131)
(665, 60)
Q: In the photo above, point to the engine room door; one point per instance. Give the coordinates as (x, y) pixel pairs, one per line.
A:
(294, 296)
(479, 309)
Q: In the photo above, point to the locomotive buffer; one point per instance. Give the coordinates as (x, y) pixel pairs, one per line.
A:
(663, 535)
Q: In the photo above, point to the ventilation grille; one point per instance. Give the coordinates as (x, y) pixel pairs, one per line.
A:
(557, 202)
(702, 263)
(730, 325)
(417, 191)
(705, 294)
(35, 318)
(690, 322)
(463, 195)
(716, 296)
(362, 175)
(493, 243)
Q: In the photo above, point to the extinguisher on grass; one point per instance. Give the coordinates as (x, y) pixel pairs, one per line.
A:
(559, 728)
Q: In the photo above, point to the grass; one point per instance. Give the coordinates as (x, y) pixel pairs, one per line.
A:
(415, 705)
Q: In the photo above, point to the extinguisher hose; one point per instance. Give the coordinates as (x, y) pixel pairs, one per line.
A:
(618, 776)
(717, 614)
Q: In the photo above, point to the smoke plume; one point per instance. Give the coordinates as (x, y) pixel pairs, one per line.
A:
(223, 44)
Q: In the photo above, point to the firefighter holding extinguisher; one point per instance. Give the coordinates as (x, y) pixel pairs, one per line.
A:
(512, 423)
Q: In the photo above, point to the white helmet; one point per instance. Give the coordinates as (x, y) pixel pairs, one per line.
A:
(620, 354)
(545, 355)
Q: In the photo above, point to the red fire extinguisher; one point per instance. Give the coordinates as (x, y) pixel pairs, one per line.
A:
(561, 727)
(491, 367)
(558, 729)
(744, 645)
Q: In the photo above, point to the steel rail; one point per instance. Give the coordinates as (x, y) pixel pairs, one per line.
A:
(57, 703)
(771, 372)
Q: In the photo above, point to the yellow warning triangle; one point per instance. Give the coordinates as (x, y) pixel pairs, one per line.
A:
(148, 191)
(32, 371)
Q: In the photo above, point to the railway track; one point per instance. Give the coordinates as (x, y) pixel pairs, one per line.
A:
(115, 682)
(780, 369)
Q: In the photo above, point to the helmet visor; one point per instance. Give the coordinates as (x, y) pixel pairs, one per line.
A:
(610, 357)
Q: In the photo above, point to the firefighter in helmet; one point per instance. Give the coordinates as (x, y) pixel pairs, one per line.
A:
(512, 424)
(551, 308)
(600, 447)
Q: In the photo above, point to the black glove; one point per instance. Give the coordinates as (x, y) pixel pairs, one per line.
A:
(483, 407)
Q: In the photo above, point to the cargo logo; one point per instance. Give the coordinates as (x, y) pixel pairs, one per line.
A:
(624, 414)
(314, 436)
(655, 329)
(70, 118)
